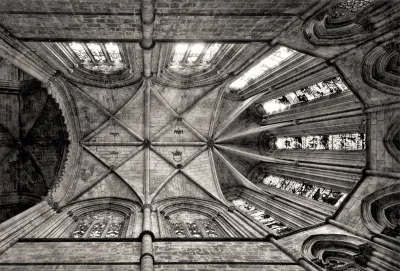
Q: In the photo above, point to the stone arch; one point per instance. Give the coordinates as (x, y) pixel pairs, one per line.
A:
(380, 65)
(62, 224)
(381, 212)
(58, 88)
(392, 140)
(344, 252)
(213, 211)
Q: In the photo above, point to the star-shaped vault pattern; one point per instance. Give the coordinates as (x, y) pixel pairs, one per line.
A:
(150, 143)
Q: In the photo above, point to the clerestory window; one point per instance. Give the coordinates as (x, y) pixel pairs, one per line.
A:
(261, 216)
(280, 55)
(347, 142)
(310, 191)
(313, 92)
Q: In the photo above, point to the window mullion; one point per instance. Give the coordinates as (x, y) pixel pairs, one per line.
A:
(90, 228)
(103, 235)
(200, 57)
(185, 57)
(187, 231)
(89, 53)
(105, 52)
(201, 228)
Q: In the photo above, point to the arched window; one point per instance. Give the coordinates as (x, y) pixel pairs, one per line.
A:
(104, 224)
(261, 216)
(313, 92)
(310, 191)
(102, 57)
(190, 225)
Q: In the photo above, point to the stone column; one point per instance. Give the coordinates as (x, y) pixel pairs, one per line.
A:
(147, 257)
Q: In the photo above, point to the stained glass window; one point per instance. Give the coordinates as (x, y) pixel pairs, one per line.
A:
(324, 142)
(194, 230)
(79, 50)
(268, 63)
(354, 5)
(209, 229)
(178, 229)
(316, 91)
(306, 190)
(99, 225)
(261, 216)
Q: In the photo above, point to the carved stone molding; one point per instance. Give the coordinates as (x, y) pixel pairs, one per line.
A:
(381, 65)
(267, 143)
(347, 22)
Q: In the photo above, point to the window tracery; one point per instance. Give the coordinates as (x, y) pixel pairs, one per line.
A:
(189, 225)
(100, 57)
(261, 216)
(268, 63)
(316, 91)
(99, 225)
(310, 191)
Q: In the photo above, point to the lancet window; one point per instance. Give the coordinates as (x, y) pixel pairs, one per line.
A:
(99, 225)
(310, 191)
(270, 62)
(350, 142)
(103, 57)
(261, 216)
(316, 91)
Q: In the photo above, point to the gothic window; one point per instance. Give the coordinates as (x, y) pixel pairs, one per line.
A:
(265, 65)
(261, 216)
(99, 225)
(316, 91)
(195, 55)
(314, 192)
(102, 57)
(189, 225)
(349, 142)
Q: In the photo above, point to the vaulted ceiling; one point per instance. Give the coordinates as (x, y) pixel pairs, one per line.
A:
(148, 128)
